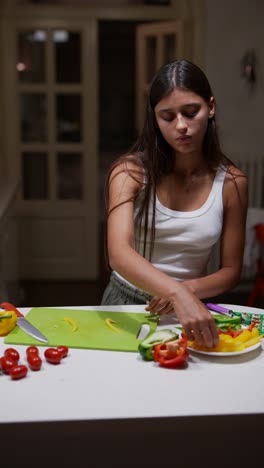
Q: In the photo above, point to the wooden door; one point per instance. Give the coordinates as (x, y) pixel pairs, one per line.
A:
(52, 145)
(158, 43)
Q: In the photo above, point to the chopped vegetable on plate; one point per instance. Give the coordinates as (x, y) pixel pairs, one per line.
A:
(230, 341)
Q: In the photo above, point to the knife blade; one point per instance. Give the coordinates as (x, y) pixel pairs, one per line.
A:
(24, 324)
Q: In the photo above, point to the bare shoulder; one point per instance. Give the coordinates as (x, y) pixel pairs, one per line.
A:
(127, 174)
(234, 175)
(236, 185)
(235, 172)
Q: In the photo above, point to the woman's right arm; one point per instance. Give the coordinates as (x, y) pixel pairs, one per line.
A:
(123, 258)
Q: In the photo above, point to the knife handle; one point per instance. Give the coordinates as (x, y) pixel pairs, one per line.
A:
(218, 308)
(8, 306)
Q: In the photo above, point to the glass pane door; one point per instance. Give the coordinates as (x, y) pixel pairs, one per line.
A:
(49, 71)
(56, 147)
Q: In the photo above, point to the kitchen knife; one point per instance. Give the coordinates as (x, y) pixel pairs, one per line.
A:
(24, 324)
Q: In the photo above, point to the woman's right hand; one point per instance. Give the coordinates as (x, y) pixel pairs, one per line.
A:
(197, 321)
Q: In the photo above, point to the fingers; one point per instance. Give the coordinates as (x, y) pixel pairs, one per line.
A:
(215, 333)
(203, 332)
(166, 309)
(193, 332)
(152, 304)
(195, 318)
(160, 306)
(207, 337)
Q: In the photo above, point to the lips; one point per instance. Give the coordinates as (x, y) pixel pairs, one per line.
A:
(183, 138)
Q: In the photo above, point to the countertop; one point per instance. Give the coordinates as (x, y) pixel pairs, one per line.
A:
(112, 390)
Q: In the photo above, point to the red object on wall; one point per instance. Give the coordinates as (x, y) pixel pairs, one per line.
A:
(258, 289)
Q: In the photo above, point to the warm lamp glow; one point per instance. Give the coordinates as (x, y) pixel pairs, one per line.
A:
(20, 66)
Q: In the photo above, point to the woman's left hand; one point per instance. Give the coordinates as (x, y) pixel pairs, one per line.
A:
(160, 306)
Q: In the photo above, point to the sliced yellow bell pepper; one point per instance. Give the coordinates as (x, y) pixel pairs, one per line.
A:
(254, 332)
(228, 343)
(253, 341)
(109, 322)
(8, 320)
(244, 336)
(72, 323)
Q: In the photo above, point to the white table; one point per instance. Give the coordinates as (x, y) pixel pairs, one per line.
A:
(100, 394)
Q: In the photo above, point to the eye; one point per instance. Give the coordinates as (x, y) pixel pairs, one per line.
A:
(190, 114)
(168, 119)
(167, 116)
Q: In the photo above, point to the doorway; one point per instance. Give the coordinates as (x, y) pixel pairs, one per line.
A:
(117, 94)
(116, 107)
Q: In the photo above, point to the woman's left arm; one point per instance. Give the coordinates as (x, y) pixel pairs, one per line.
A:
(235, 201)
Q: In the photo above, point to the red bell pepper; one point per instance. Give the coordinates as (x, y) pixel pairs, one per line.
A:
(252, 325)
(172, 353)
(228, 332)
(236, 333)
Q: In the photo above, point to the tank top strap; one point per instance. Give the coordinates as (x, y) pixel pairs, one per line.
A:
(219, 180)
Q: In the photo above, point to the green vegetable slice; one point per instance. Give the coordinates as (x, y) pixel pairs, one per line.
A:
(146, 347)
(223, 322)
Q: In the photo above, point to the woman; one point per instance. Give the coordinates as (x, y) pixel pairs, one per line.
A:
(170, 199)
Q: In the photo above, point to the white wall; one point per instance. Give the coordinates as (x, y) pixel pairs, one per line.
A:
(234, 26)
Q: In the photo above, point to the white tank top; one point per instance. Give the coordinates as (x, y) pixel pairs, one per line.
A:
(184, 239)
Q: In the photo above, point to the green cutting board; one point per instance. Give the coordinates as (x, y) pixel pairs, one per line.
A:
(92, 331)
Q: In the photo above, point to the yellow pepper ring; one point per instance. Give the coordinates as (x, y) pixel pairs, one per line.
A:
(72, 323)
(8, 320)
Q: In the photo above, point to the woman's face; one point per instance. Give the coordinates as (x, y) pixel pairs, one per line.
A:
(182, 117)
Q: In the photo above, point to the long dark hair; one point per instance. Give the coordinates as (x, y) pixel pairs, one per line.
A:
(153, 153)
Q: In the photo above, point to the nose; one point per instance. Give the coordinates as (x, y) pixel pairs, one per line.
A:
(181, 124)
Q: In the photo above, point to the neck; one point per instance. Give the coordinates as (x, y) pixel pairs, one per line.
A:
(186, 168)
(189, 170)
